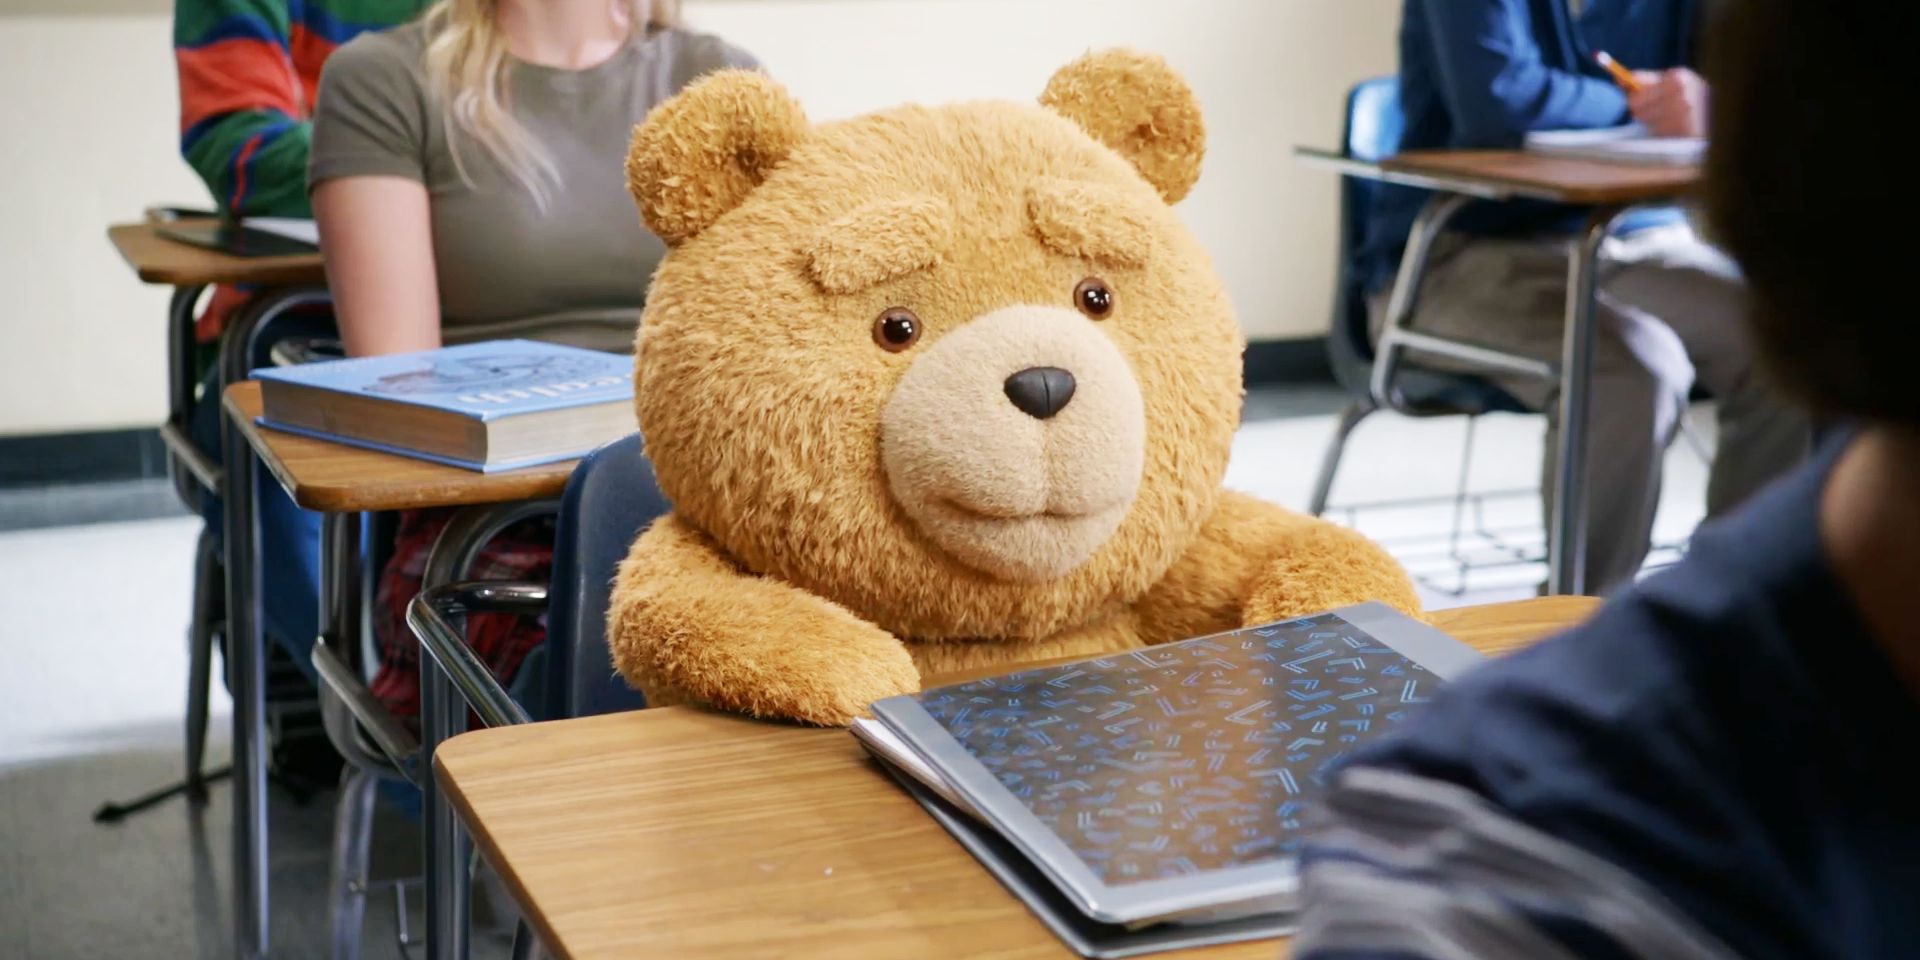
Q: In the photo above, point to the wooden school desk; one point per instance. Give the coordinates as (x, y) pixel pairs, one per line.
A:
(683, 833)
(1459, 177)
(345, 482)
(286, 283)
(189, 270)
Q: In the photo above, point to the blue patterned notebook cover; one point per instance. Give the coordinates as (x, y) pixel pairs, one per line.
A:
(1186, 757)
(483, 381)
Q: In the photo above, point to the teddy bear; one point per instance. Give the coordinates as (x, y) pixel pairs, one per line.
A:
(940, 389)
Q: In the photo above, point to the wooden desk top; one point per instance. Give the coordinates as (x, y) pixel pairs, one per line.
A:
(321, 475)
(683, 833)
(1559, 179)
(1506, 174)
(158, 259)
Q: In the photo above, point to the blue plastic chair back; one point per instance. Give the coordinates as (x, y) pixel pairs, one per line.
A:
(610, 498)
(1372, 129)
(1374, 119)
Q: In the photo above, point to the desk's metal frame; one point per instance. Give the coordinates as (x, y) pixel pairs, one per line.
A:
(443, 711)
(375, 741)
(376, 744)
(1566, 557)
(246, 642)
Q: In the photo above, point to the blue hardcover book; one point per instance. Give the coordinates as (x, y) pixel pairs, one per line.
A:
(490, 406)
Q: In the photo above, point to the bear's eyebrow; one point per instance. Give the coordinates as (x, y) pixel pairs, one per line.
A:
(1091, 221)
(879, 241)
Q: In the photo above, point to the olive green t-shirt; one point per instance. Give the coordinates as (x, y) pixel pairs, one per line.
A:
(575, 272)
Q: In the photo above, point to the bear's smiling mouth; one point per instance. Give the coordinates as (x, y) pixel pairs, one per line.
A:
(1020, 545)
(983, 515)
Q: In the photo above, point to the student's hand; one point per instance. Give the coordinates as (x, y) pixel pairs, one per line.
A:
(1671, 103)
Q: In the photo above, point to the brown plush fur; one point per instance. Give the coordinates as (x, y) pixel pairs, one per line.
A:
(792, 580)
(1092, 223)
(700, 154)
(1135, 103)
(882, 240)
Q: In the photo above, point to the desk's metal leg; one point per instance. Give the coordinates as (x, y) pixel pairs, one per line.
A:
(246, 654)
(1330, 461)
(1406, 290)
(194, 476)
(246, 645)
(206, 599)
(443, 714)
(353, 816)
(1566, 548)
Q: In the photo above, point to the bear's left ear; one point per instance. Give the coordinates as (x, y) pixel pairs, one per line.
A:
(699, 154)
(1135, 103)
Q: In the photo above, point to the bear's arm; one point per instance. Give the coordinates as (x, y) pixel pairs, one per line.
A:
(687, 621)
(1254, 562)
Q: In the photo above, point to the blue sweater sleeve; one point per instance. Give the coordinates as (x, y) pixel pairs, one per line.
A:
(1497, 86)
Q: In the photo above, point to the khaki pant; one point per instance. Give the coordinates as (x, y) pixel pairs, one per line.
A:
(1669, 316)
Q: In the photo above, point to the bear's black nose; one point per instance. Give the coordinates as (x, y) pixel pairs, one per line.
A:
(1040, 392)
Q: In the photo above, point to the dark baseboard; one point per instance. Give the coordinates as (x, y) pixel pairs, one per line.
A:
(92, 457)
(1301, 360)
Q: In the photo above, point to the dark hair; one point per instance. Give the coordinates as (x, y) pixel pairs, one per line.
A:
(1807, 190)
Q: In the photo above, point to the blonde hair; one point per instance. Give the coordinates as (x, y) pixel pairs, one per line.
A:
(466, 66)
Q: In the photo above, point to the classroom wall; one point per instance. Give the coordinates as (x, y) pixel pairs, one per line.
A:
(90, 138)
(88, 127)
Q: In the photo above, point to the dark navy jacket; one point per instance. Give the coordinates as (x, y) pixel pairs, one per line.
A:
(1720, 763)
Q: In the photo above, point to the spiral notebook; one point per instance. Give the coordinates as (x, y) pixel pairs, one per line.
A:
(1159, 798)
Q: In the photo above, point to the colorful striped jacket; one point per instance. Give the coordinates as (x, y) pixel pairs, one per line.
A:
(248, 72)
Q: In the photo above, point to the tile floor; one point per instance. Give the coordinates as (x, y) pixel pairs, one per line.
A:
(95, 661)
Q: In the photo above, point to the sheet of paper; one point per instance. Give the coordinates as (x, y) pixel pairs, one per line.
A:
(293, 228)
(1626, 144)
(1585, 138)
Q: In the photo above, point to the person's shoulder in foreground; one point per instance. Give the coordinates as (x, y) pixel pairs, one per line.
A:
(1699, 771)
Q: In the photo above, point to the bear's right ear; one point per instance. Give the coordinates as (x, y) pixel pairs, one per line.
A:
(699, 154)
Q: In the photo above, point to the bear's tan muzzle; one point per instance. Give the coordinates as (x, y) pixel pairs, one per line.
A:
(1016, 441)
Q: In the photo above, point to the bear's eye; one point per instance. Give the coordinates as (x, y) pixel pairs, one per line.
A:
(1094, 298)
(896, 329)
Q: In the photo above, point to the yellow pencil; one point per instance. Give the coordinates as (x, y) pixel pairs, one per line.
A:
(1621, 75)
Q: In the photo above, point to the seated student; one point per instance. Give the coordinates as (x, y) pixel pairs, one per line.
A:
(1484, 73)
(466, 176)
(248, 70)
(1718, 764)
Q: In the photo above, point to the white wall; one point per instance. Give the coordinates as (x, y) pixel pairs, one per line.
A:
(88, 136)
(1269, 73)
(90, 132)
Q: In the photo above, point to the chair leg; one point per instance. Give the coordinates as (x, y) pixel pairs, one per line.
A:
(352, 840)
(1330, 463)
(1460, 491)
(208, 601)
